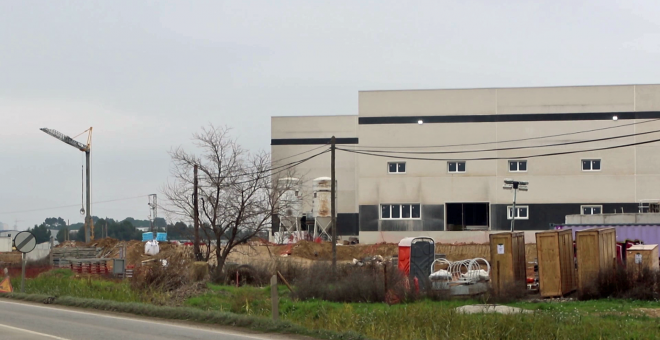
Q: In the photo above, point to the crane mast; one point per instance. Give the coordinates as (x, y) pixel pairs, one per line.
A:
(87, 149)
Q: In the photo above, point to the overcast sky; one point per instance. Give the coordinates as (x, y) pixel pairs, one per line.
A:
(147, 74)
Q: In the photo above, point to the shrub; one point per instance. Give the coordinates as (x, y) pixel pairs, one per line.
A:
(624, 283)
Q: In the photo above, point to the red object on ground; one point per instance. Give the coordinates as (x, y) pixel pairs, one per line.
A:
(287, 250)
(416, 284)
(318, 240)
(404, 255)
(530, 280)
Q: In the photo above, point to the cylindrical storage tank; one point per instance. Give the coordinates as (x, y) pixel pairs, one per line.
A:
(290, 203)
(322, 187)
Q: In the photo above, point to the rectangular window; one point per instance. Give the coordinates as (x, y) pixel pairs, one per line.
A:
(396, 211)
(522, 212)
(396, 167)
(591, 165)
(591, 209)
(400, 211)
(456, 167)
(517, 166)
(384, 211)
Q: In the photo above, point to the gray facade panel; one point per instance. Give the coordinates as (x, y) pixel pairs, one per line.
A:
(401, 225)
(433, 217)
(542, 215)
(348, 224)
(368, 218)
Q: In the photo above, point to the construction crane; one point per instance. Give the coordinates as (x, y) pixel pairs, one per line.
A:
(87, 149)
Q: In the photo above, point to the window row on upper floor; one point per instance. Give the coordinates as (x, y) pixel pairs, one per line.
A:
(514, 166)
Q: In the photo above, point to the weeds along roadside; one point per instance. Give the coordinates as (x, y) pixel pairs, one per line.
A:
(419, 318)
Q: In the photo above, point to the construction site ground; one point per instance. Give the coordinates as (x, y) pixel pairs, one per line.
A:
(302, 252)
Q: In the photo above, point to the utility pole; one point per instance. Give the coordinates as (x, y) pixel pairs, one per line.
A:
(198, 255)
(510, 184)
(153, 213)
(333, 208)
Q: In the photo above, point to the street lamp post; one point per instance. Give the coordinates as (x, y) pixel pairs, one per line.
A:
(510, 184)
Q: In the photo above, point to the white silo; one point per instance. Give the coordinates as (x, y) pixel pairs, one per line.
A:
(321, 206)
(289, 207)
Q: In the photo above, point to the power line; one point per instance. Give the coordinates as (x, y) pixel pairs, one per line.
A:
(69, 206)
(287, 166)
(291, 165)
(499, 158)
(510, 140)
(513, 148)
(298, 154)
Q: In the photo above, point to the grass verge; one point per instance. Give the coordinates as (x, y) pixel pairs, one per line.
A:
(190, 314)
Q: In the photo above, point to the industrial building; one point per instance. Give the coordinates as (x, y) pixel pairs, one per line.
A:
(433, 162)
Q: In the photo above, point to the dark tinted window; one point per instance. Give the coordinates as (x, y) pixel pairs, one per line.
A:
(396, 213)
(595, 165)
(513, 166)
(522, 166)
(385, 211)
(522, 212)
(586, 165)
(452, 166)
(586, 211)
(596, 210)
(405, 211)
(415, 211)
(461, 167)
(402, 167)
(391, 167)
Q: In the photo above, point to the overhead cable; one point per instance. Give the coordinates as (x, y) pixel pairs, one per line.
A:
(510, 140)
(513, 147)
(499, 158)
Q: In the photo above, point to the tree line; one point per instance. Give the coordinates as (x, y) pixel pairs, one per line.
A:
(124, 230)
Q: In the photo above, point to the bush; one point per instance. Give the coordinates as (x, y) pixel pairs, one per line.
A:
(171, 276)
(354, 284)
(624, 283)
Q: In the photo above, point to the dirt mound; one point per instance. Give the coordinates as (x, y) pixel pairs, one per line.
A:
(69, 244)
(104, 243)
(323, 251)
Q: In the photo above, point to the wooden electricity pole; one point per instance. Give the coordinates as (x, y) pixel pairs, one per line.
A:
(333, 208)
(196, 250)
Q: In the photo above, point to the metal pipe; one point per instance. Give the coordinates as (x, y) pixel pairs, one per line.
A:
(89, 228)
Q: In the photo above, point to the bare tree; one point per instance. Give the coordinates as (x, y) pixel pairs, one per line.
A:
(237, 197)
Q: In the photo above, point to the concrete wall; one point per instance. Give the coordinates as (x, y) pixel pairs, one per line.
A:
(648, 218)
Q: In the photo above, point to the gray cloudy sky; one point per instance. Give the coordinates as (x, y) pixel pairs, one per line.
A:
(147, 74)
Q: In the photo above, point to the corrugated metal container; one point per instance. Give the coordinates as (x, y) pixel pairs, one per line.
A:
(596, 254)
(642, 256)
(508, 266)
(647, 233)
(557, 276)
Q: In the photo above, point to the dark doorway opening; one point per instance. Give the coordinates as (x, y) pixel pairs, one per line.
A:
(467, 216)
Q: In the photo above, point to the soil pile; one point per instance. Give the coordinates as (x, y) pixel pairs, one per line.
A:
(323, 251)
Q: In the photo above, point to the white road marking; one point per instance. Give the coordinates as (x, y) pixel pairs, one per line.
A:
(32, 332)
(139, 320)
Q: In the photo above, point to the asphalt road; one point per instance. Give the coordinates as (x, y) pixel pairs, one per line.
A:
(30, 321)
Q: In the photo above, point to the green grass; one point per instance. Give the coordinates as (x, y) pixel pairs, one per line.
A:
(61, 282)
(590, 307)
(603, 319)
